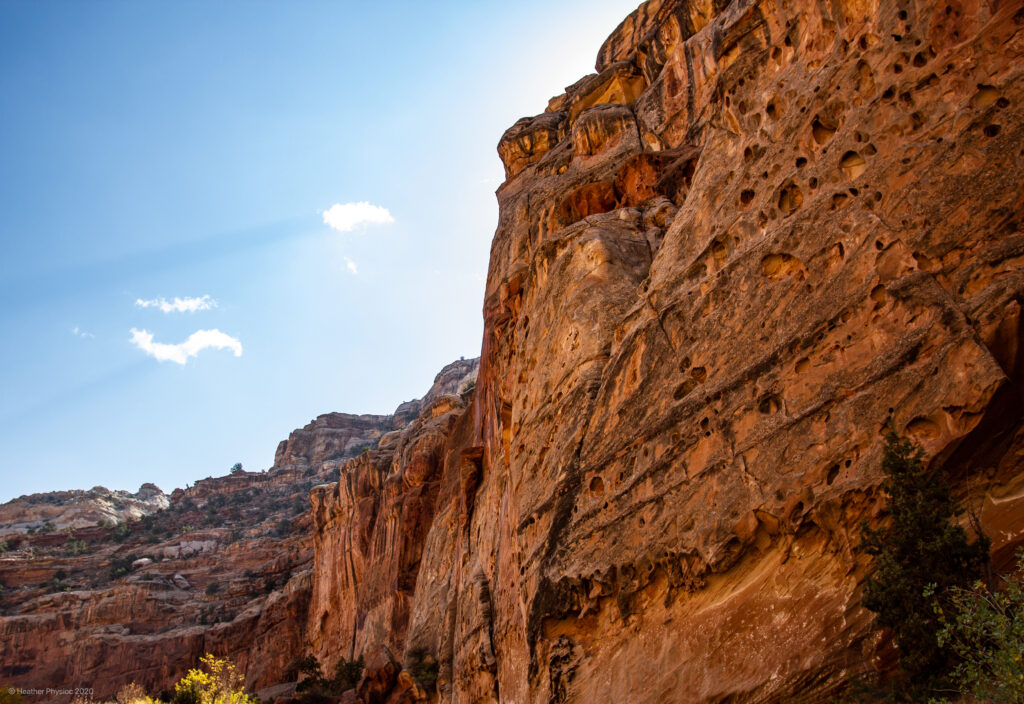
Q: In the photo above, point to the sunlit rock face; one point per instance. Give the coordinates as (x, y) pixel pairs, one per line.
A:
(724, 264)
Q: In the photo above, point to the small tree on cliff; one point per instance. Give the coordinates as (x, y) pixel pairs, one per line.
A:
(922, 550)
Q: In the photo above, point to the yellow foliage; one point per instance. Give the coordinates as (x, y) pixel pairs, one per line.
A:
(215, 682)
(133, 693)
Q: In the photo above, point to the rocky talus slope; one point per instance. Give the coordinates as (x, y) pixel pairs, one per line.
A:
(725, 263)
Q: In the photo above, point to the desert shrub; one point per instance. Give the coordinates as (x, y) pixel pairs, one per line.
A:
(985, 628)
(3, 547)
(216, 681)
(468, 386)
(9, 696)
(212, 588)
(236, 468)
(922, 547)
(283, 528)
(132, 693)
(423, 667)
(120, 566)
(47, 527)
(347, 674)
(122, 531)
(75, 547)
(317, 689)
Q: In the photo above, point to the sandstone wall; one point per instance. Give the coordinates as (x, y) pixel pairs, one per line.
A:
(723, 264)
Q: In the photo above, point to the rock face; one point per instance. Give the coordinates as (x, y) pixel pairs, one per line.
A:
(724, 264)
(224, 566)
(60, 510)
(758, 236)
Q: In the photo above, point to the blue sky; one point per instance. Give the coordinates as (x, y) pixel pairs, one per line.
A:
(163, 150)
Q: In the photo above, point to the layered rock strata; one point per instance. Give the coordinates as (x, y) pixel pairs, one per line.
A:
(223, 566)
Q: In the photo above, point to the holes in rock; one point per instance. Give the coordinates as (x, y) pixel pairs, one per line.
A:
(920, 59)
(802, 365)
(870, 150)
(833, 472)
(852, 165)
(719, 251)
(790, 199)
(813, 183)
(684, 389)
(1002, 103)
(699, 374)
(704, 423)
(878, 295)
(801, 162)
(822, 131)
(923, 429)
(897, 68)
(879, 245)
(772, 110)
(597, 485)
(746, 196)
(991, 130)
(777, 266)
(889, 93)
(684, 364)
(839, 200)
(902, 14)
(748, 154)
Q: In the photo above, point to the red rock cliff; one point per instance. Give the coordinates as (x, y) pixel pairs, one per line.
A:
(723, 264)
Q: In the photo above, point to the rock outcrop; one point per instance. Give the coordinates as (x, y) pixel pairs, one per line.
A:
(60, 510)
(725, 263)
(223, 566)
(757, 237)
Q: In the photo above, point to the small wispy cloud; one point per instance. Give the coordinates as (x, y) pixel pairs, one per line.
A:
(345, 217)
(178, 305)
(79, 332)
(351, 265)
(180, 353)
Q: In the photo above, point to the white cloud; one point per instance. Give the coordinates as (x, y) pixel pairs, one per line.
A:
(178, 305)
(345, 217)
(351, 265)
(196, 343)
(78, 332)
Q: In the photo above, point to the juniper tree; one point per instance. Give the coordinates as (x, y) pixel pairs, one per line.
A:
(922, 549)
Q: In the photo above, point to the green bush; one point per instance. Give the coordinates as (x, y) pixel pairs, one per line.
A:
(347, 674)
(423, 668)
(985, 628)
(921, 548)
(120, 566)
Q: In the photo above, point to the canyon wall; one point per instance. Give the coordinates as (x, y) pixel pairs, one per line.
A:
(760, 235)
(725, 263)
(104, 588)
